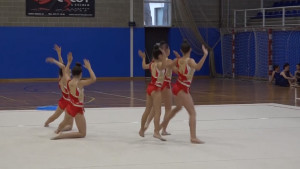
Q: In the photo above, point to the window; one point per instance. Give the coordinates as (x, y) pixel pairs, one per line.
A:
(157, 13)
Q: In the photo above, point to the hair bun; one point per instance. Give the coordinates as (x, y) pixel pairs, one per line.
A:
(78, 64)
(156, 46)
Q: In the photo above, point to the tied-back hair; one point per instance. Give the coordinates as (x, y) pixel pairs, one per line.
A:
(185, 47)
(77, 69)
(156, 51)
(163, 45)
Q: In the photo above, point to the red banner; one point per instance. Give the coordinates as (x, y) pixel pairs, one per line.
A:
(60, 8)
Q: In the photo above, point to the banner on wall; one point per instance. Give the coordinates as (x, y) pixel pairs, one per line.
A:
(60, 8)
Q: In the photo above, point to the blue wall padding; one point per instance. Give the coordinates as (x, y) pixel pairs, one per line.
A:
(24, 50)
(286, 48)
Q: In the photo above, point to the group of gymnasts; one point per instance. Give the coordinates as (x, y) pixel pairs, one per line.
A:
(285, 78)
(159, 91)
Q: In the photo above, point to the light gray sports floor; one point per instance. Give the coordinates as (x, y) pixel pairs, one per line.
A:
(258, 136)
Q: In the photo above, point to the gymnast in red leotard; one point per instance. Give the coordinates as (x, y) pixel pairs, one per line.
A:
(76, 107)
(166, 92)
(64, 100)
(157, 69)
(181, 89)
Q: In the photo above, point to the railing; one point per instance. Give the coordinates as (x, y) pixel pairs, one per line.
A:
(267, 17)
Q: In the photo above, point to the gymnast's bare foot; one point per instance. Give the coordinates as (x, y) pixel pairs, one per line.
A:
(46, 125)
(57, 131)
(142, 133)
(196, 141)
(158, 136)
(58, 136)
(165, 133)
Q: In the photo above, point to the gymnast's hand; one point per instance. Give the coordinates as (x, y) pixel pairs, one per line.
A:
(87, 64)
(205, 51)
(50, 60)
(142, 54)
(57, 48)
(176, 54)
(70, 57)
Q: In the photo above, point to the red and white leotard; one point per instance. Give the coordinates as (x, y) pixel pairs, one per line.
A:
(76, 102)
(157, 78)
(64, 100)
(167, 81)
(185, 76)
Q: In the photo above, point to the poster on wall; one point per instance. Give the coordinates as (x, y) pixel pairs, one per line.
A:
(60, 8)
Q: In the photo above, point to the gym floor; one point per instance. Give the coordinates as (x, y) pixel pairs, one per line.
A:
(125, 93)
(245, 124)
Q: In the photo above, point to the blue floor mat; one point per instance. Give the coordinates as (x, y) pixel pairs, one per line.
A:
(47, 108)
